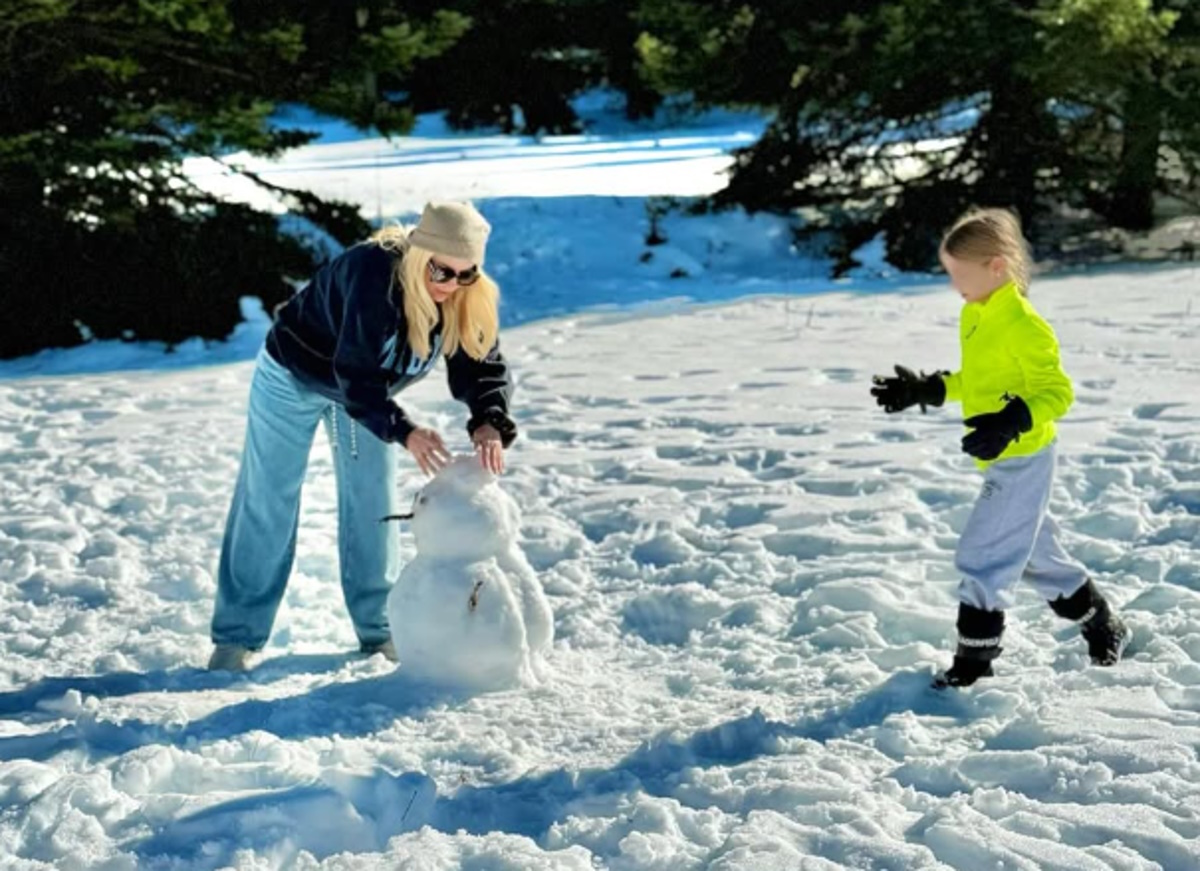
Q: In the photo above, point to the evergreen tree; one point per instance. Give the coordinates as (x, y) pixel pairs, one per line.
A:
(894, 116)
(523, 60)
(1132, 68)
(100, 102)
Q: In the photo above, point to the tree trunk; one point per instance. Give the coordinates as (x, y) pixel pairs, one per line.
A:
(1013, 133)
(1132, 205)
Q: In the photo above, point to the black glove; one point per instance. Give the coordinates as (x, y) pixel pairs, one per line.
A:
(992, 433)
(908, 389)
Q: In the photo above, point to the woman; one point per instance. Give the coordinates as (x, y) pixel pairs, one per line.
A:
(370, 323)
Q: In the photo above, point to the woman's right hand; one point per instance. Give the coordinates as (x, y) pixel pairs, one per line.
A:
(428, 449)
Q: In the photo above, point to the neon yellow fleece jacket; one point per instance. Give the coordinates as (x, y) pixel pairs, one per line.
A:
(1007, 348)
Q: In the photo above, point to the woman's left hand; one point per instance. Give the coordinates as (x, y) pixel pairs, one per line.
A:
(490, 449)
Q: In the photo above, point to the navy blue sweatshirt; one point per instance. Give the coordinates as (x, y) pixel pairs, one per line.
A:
(345, 336)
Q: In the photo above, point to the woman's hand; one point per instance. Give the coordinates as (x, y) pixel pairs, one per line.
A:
(428, 449)
(488, 446)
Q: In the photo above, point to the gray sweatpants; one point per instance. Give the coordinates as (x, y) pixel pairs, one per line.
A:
(1011, 534)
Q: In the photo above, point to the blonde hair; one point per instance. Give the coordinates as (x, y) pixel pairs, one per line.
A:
(470, 318)
(981, 234)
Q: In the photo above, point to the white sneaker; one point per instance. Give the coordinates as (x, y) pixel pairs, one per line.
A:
(387, 648)
(230, 657)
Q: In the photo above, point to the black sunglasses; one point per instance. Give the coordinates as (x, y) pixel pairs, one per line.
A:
(440, 273)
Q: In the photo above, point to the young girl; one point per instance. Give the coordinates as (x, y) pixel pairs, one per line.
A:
(1012, 388)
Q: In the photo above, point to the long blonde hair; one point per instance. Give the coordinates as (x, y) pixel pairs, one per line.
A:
(470, 318)
(981, 234)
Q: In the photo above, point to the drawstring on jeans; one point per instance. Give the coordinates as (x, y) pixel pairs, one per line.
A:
(334, 438)
(333, 431)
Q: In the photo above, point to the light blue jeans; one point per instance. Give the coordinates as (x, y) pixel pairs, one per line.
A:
(260, 532)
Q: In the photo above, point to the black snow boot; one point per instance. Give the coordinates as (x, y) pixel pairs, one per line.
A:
(979, 634)
(1106, 633)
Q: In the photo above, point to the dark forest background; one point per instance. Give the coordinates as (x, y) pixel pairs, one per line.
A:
(886, 117)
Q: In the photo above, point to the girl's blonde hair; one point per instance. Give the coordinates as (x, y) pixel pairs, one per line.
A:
(470, 318)
(981, 234)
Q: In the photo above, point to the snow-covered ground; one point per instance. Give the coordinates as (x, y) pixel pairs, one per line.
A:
(750, 568)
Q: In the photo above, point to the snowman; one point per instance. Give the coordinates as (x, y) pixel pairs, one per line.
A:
(468, 611)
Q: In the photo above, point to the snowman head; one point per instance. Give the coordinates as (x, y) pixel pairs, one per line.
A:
(463, 513)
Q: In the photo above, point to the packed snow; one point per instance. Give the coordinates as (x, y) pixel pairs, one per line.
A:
(749, 566)
(468, 612)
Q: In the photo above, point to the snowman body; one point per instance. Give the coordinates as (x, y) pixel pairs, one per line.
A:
(468, 611)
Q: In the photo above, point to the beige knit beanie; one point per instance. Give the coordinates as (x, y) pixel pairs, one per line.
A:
(452, 229)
